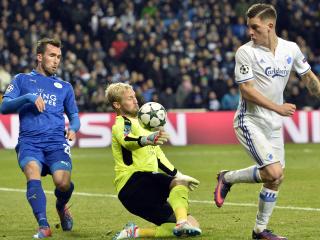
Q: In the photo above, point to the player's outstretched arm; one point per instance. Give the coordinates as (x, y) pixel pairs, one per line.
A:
(131, 138)
(74, 126)
(249, 93)
(12, 105)
(164, 164)
(312, 82)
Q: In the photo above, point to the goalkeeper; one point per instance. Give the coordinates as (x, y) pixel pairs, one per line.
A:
(156, 197)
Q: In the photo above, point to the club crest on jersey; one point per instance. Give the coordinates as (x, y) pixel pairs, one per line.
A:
(288, 59)
(276, 72)
(9, 88)
(57, 85)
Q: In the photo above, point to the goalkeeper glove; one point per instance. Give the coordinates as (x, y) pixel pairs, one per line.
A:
(192, 182)
(154, 139)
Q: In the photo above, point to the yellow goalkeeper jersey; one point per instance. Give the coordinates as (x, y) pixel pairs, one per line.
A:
(130, 156)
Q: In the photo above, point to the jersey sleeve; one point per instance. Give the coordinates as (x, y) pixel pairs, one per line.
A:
(243, 69)
(70, 105)
(13, 89)
(300, 64)
(123, 132)
(164, 164)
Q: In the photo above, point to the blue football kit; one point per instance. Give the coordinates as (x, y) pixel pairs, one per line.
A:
(42, 134)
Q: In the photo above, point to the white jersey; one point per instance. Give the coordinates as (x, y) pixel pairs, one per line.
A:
(270, 74)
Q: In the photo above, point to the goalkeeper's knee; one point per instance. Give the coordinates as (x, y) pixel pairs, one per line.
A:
(177, 182)
(185, 180)
(178, 197)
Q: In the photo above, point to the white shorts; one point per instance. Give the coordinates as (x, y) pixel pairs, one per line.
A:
(264, 146)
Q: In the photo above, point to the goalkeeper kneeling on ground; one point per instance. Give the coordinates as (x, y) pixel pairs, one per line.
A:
(160, 198)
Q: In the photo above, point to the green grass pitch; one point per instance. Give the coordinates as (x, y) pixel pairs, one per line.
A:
(99, 214)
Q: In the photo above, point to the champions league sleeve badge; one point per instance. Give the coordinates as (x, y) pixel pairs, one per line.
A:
(9, 88)
(244, 69)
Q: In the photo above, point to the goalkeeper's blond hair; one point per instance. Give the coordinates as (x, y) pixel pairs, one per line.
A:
(115, 91)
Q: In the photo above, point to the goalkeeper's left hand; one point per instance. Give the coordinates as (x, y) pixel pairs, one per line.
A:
(192, 182)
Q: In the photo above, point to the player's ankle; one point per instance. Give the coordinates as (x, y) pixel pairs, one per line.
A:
(259, 228)
(43, 223)
(181, 221)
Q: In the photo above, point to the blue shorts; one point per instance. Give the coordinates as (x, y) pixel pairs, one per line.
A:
(49, 156)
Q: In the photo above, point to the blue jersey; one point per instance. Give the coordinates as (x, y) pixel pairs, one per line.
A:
(59, 98)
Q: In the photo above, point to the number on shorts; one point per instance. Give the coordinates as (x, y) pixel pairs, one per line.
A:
(67, 149)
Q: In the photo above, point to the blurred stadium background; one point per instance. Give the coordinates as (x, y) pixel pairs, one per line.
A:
(181, 54)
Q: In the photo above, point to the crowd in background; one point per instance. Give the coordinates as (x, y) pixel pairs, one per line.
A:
(176, 52)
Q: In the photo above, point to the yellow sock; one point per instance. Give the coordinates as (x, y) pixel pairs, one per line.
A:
(178, 199)
(165, 230)
(147, 232)
(181, 214)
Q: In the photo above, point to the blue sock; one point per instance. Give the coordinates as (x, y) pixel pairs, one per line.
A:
(63, 197)
(37, 200)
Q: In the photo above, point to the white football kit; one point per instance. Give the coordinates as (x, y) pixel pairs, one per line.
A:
(258, 129)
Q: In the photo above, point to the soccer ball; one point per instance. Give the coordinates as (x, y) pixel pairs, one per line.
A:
(152, 115)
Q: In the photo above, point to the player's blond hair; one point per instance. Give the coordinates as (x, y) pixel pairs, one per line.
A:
(115, 91)
(262, 11)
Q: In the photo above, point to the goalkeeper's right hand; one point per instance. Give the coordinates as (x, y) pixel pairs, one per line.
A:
(154, 139)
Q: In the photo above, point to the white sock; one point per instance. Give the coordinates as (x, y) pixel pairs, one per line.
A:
(267, 201)
(246, 175)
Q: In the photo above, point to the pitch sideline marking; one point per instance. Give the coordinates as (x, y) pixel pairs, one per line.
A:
(194, 201)
(193, 153)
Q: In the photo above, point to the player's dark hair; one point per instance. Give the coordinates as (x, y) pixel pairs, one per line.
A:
(263, 11)
(42, 44)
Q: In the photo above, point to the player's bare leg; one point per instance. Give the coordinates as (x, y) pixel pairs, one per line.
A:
(63, 192)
